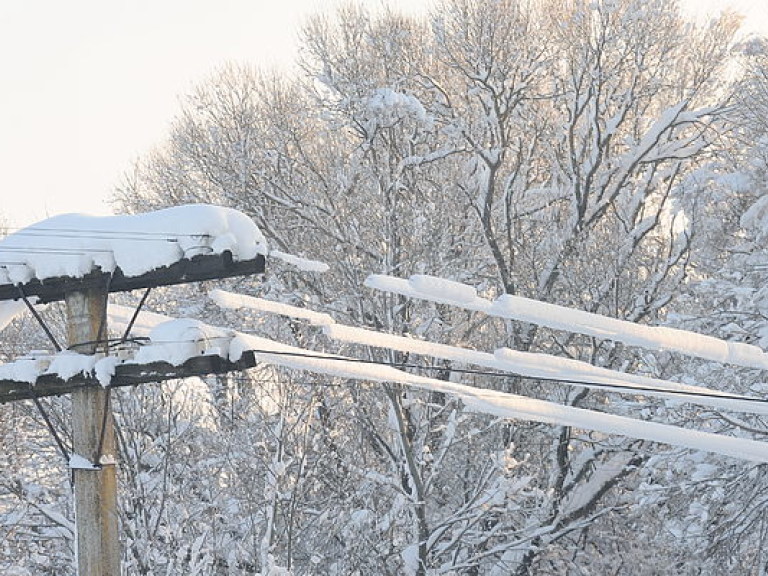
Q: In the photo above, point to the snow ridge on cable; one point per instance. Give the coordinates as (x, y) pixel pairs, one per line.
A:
(443, 291)
(479, 400)
(527, 364)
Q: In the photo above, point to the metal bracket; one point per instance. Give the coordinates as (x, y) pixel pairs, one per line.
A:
(78, 462)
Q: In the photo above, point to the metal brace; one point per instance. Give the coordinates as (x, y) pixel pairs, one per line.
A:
(135, 315)
(37, 316)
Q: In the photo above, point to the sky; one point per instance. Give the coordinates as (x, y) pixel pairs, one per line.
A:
(89, 86)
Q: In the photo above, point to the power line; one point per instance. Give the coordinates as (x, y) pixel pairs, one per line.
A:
(471, 371)
(70, 251)
(95, 234)
(164, 238)
(35, 231)
(468, 371)
(53, 250)
(79, 250)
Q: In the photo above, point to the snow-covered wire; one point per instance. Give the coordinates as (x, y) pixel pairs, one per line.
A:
(79, 233)
(52, 250)
(476, 372)
(467, 371)
(511, 307)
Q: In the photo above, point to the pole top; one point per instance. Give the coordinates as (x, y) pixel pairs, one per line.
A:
(194, 269)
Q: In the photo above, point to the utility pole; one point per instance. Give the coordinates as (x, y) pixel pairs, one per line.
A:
(98, 548)
(93, 460)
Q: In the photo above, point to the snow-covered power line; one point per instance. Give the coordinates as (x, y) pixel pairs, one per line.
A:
(171, 345)
(507, 405)
(526, 364)
(231, 300)
(205, 343)
(444, 291)
(479, 400)
(69, 232)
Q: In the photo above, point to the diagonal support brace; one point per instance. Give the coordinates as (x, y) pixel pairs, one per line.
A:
(51, 428)
(97, 460)
(39, 319)
(136, 314)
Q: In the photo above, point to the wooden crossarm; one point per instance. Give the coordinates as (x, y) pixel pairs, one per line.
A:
(195, 269)
(125, 375)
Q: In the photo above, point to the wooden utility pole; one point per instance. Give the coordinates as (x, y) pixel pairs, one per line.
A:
(93, 461)
(98, 547)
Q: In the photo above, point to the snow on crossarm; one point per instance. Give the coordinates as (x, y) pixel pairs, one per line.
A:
(74, 245)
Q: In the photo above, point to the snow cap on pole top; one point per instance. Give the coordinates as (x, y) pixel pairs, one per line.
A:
(74, 245)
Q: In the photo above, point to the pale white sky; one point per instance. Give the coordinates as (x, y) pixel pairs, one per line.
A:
(89, 85)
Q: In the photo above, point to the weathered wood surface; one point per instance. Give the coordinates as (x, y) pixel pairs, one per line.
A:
(195, 269)
(93, 438)
(125, 375)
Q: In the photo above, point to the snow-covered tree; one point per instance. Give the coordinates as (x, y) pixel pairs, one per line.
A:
(725, 295)
(543, 149)
(36, 523)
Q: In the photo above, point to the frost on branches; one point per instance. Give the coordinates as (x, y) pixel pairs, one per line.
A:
(587, 155)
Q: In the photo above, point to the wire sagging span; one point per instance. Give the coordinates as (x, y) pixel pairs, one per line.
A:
(141, 341)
